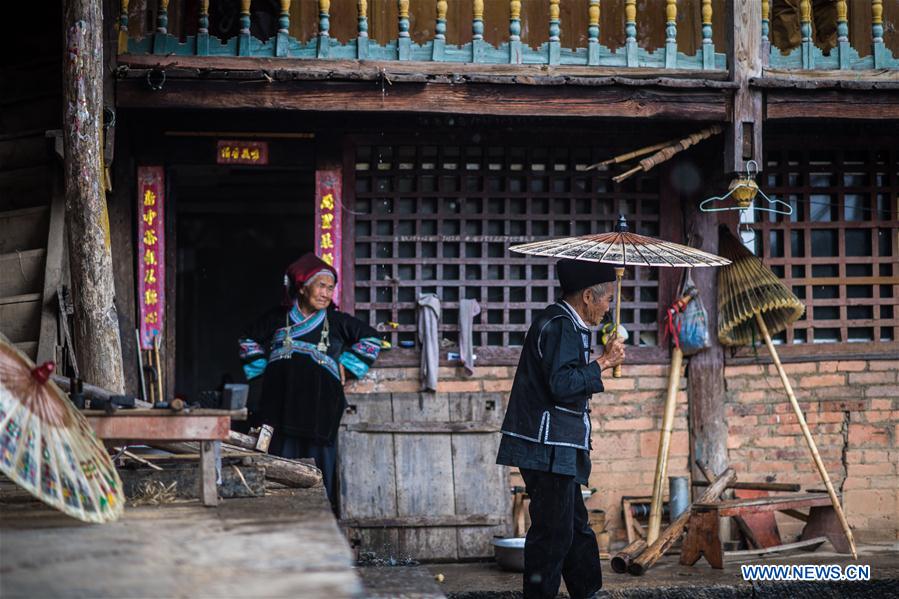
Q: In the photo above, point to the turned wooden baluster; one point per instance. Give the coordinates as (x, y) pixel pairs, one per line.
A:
(879, 50)
(555, 30)
(671, 35)
(282, 40)
(630, 30)
(243, 37)
(440, 32)
(477, 31)
(403, 42)
(202, 48)
(805, 27)
(515, 32)
(362, 29)
(843, 34)
(123, 29)
(708, 47)
(593, 33)
(324, 24)
(160, 39)
(765, 48)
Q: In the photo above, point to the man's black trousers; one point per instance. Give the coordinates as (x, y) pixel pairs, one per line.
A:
(560, 542)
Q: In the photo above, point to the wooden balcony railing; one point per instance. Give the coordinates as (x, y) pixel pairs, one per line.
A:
(514, 50)
(818, 37)
(796, 34)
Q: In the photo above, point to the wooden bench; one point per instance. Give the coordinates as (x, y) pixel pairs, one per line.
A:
(702, 528)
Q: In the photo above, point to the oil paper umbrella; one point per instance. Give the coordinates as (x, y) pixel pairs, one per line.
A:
(621, 248)
(754, 304)
(48, 448)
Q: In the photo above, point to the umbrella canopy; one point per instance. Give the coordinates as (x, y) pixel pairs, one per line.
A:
(623, 248)
(48, 448)
(746, 288)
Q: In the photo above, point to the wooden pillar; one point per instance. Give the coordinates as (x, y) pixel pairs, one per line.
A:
(96, 321)
(744, 135)
(705, 374)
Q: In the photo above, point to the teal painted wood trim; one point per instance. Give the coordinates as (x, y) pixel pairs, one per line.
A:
(282, 44)
(553, 52)
(808, 54)
(631, 52)
(202, 48)
(515, 54)
(244, 43)
(841, 58)
(593, 53)
(326, 47)
(671, 55)
(844, 53)
(438, 50)
(708, 54)
(404, 48)
(478, 49)
(878, 50)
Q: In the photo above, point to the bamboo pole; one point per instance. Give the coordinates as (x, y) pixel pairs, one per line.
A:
(763, 329)
(619, 274)
(623, 558)
(655, 513)
(652, 554)
(635, 154)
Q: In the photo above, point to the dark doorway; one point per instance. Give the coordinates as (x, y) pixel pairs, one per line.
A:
(237, 229)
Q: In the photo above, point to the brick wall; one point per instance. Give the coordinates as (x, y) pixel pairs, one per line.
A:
(852, 408)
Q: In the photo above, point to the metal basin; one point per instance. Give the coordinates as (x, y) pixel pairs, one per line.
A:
(509, 553)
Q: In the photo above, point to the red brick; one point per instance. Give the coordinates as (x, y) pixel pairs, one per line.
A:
(752, 395)
(647, 369)
(775, 441)
(789, 429)
(881, 404)
(874, 470)
(631, 424)
(877, 416)
(863, 434)
(501, 385)
(748, 369)
(846, 405)
(824, 380)
(873, 456)
(652, 382)
(883, 365)
(743, 421)
(871, 502)
(622, 444)
(622, 384)
(814, 418)
(875, 378)
(852, 366)
(796, 368)
(458, 386)
(856, 482)
(882, 391)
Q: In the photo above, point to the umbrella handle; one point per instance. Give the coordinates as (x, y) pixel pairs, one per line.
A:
(619, 273)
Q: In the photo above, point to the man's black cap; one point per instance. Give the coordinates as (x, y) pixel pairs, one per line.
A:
(575, 275)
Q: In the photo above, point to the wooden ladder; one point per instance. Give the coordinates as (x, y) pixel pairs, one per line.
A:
(32, 242)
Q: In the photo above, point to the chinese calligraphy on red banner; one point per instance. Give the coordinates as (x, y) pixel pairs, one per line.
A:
(242, 152)
(151, 252)
(328, 199)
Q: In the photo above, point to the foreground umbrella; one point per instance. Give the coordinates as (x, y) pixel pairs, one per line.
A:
(621, 248)
(48, 448)
(752, 304)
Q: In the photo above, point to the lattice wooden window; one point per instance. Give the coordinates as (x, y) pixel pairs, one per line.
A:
(838, 251)
(440, 218)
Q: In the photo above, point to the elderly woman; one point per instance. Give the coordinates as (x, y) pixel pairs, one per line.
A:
(304, 348)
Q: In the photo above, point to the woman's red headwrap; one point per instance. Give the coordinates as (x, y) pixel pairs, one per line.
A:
(301, 271)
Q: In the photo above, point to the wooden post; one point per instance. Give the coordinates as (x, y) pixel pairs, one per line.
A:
(744, 136)
(763, 329)
(652, 554)
(96, 321)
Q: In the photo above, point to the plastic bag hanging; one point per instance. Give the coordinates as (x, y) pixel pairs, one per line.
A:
(688, 320)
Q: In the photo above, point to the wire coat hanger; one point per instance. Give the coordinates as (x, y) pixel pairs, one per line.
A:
(744, 190)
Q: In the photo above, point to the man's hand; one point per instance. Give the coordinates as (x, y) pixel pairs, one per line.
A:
(613, 354)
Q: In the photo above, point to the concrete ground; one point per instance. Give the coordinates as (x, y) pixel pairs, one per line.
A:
(669, 579)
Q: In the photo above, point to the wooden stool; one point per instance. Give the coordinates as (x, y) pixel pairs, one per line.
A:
(702, 534)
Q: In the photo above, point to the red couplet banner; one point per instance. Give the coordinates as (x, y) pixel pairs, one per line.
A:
(328, 202)
(151, 252)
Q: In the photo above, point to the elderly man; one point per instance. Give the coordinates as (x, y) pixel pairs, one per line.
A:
(546, 431)
(302, 350)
